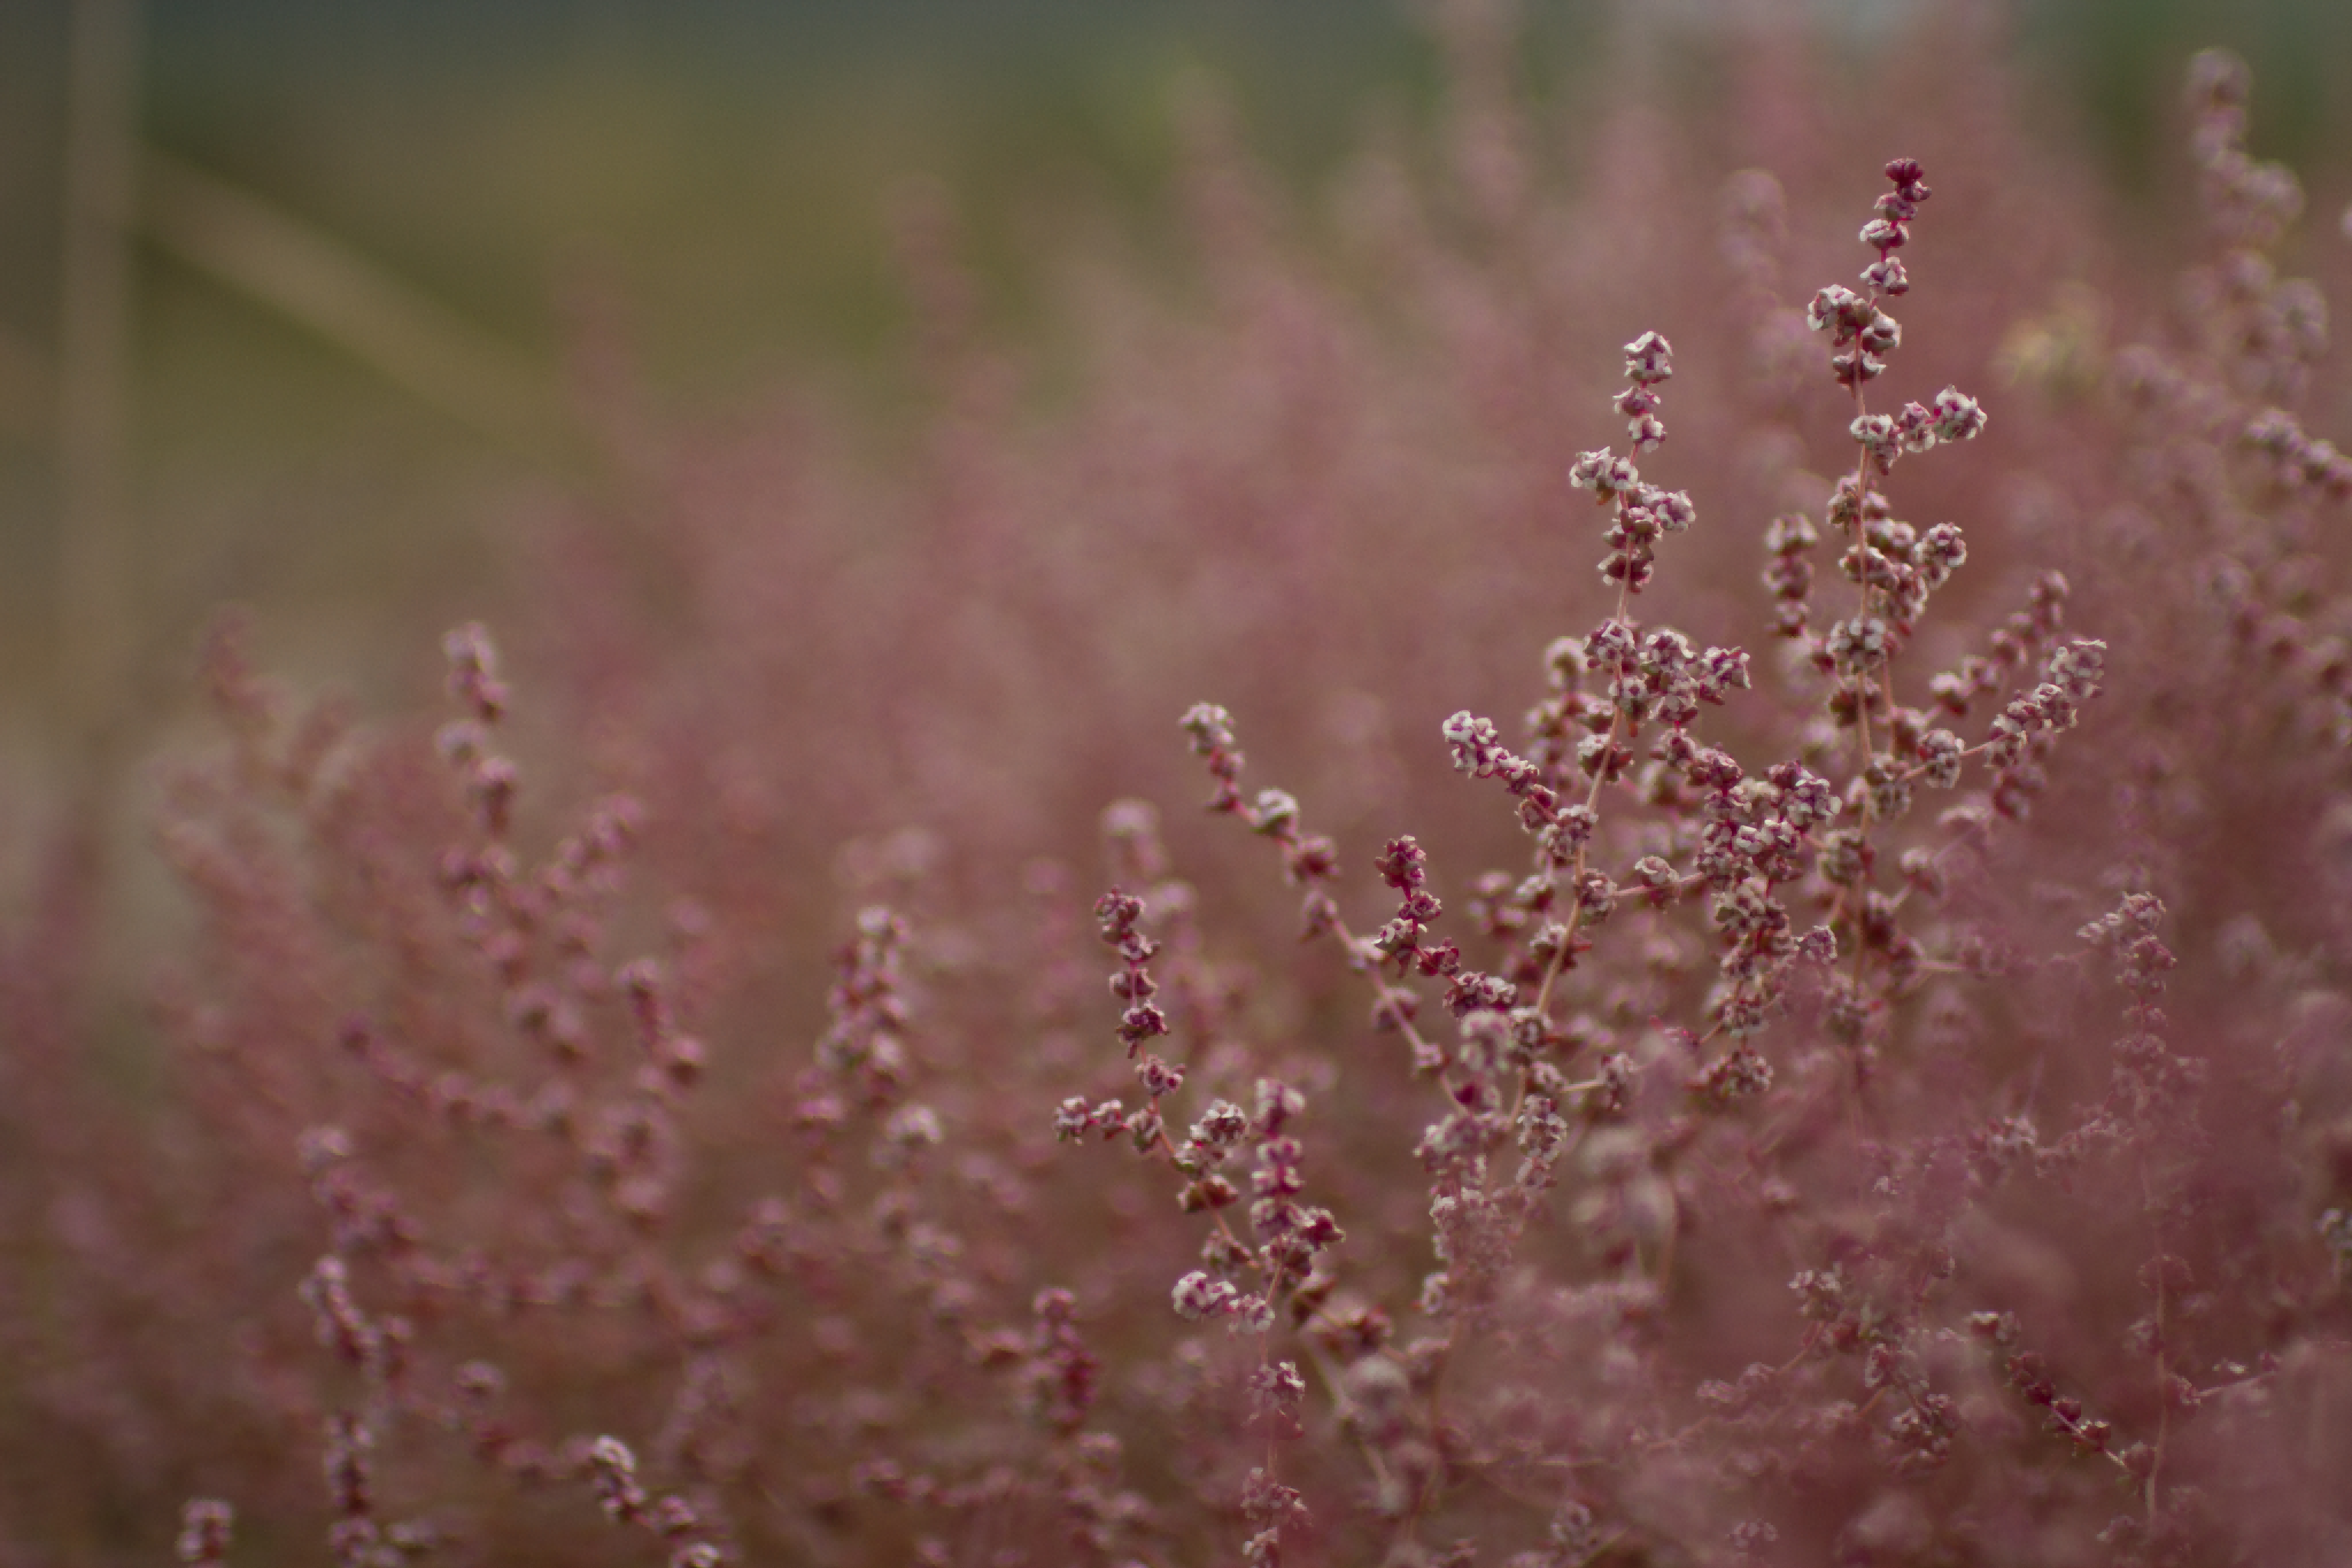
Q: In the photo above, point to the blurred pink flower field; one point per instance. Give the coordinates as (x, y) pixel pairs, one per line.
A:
(1763, 978)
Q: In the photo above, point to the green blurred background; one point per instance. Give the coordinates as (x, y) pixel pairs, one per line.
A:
(721, 172)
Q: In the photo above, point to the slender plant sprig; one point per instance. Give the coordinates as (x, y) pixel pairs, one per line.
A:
(1251, 1282)
(1748, 842)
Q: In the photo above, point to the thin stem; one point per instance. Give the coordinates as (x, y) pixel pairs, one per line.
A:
(1560, 957)
(1591, 803)
(1861, 494)
(93, 385)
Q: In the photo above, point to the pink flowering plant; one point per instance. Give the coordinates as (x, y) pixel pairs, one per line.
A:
(1526, 1077)
(1860, 1099)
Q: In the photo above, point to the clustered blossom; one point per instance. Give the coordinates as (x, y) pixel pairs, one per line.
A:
(2022, 731)
(1118, 917)
(1648, 364)
(1861, 335)
(204, 1527)
(1737, 1074)
(866, 1042)
(473, 673)
(1270, 1508)
(380, 1351)
(612, 1471)
(1244, 1285)
(1752, 835)
(1210, 729)
(2298, 458)
(1310, 860)
(1646, 677)
(1859, 644)
(375, 1351)
(1894, 566)
(2251, 202)
(1477, 1221)
(1062, 1373)
(2027, 1372)
(1788, 541)
(1402, 865)
(1254, 1279)
(1561, 826)
(1914, 428)
(490, 780)
(1644, 512)
(1890, 230)
(1289, 1236)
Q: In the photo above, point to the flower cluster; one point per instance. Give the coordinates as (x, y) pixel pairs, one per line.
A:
(1753, 845)
(1251, 1280)
(1644, 512)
